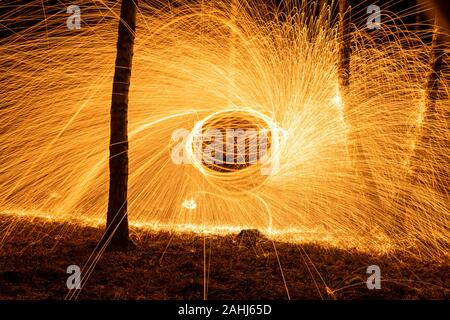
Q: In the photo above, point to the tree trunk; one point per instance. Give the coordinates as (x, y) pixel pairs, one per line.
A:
(356, 150)
(427, 144)
(232, 46)
(345, 49)
(117, 217)
(437, 54)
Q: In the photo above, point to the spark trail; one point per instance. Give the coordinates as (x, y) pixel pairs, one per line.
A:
(196, 60)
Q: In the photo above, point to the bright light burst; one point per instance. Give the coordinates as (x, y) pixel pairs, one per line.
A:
(195, 61)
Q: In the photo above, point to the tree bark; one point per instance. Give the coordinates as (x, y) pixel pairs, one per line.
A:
(117, 216)
(345, 49)
(426, 143)
(356, 150)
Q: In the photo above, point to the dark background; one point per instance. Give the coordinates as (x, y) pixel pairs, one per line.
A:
(18, 15)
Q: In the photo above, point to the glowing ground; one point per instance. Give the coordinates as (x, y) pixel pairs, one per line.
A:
(168, 265)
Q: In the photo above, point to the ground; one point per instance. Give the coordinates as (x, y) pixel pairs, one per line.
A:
(163, 265)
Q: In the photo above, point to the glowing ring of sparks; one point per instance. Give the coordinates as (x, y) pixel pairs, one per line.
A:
(259, 161)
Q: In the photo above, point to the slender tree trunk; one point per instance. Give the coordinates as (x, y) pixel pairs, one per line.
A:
(420, 171)
(426, 141)
(117, 216)
(356, 150)
(345, 50)
(437, 54)
(232, 46)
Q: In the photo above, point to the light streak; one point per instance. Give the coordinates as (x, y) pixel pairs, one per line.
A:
(55, 98)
